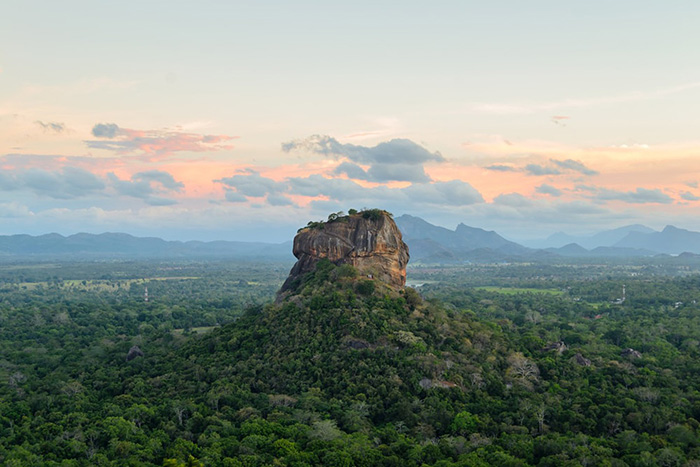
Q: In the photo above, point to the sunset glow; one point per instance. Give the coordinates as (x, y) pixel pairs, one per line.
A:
(526, 122)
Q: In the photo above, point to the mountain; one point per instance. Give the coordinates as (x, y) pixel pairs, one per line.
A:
(574, 250)
(433, 243)
(670, 240)
(611, 237)
(84, 245)
(604, 238)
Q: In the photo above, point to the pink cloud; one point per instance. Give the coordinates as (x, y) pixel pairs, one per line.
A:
(154, 143)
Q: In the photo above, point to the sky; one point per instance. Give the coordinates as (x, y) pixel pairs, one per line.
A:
(230, 120)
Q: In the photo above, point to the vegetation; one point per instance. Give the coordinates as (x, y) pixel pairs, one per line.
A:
(346, 372)
(373, 214)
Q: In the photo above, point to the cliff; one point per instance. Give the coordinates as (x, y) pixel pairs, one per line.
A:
(370, 241)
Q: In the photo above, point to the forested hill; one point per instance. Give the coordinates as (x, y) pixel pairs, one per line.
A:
(347, 372)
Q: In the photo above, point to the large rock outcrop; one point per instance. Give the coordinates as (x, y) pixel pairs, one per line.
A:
(370, 241)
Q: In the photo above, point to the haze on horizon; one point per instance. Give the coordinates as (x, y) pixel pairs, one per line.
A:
(242, 121)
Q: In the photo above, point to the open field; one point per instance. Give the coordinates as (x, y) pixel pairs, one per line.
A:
(519, 290)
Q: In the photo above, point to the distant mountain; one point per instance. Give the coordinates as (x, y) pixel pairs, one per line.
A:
(611, 237)
(427, 242)
(125, 245)
(430, 242)
(604, 238)
(574, 250)
(670, 240)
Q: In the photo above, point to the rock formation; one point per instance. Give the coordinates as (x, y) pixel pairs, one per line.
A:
(560, 347)
(133, 353)
(370, 241)
(581, 360)
(631, 353)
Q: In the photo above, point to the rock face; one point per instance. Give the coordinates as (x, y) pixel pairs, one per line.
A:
(369, 241)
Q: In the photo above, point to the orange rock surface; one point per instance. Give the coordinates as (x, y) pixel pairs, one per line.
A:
(372, 245)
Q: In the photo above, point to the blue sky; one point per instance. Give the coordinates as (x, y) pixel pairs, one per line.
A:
(244, 120)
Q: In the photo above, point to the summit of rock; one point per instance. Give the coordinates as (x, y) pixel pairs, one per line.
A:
(369, 241)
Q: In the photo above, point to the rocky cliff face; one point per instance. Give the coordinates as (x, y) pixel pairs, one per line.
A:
(370, 243)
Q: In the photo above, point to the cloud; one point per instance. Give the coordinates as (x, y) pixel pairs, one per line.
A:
(317, 185)
(514, 214)
(14, 210)
(537, 169)
(278, 200)
(395, 160)
(638, 196)
(451, 193)
(154, 142)
(548, 190)
(234, 197)
(384, 172)
(501, 168)
(396, 151)
(158, 201)
(515, 200)
(105, 130)
(558, 167)
(576, 166)
(52, 126)
(251, 184)
(67, 183)
(164, 178)
(338, 190)
(688, 196)
(147, 186)
(351, 170)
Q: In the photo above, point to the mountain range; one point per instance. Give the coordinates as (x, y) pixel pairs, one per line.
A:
(604, 238)
(427, 243)
(127, 246)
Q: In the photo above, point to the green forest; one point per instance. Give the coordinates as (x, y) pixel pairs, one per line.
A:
(479, 365)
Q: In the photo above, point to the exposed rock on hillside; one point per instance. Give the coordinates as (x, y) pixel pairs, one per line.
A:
(581, 360)
(369, 241)
(134, 352)
(631, 353)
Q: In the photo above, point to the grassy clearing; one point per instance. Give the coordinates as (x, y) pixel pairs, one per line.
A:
(519, 290)
(100, 285)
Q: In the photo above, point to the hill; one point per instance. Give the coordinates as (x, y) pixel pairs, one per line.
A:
(605, 238)
(671, 240)
(121, 245)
